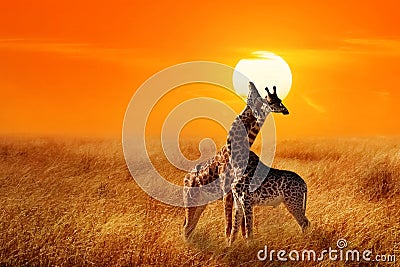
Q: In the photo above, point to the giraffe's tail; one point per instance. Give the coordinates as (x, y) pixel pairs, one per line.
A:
(305, 200)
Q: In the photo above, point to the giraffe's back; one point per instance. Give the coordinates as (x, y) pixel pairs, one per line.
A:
(207, 173)
(274, 185)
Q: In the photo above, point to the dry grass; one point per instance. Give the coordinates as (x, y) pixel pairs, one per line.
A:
(73, 202)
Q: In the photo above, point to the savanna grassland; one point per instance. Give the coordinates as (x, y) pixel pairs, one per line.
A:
(73, 202)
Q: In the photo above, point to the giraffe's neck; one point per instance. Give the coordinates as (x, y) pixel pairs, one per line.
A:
(244, 130)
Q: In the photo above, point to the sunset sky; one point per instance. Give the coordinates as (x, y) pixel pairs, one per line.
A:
(71, 67)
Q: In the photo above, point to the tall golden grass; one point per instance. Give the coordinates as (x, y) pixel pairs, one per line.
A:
(73, 202)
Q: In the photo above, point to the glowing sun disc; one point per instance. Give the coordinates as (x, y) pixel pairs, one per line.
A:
(266, 70)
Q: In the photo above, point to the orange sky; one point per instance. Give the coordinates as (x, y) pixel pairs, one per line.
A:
(71, 67)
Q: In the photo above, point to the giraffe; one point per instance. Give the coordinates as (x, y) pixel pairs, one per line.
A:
(277, 186)
(245, 167)
(209, 171)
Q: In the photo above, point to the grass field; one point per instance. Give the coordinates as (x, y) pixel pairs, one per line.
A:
(73, 202)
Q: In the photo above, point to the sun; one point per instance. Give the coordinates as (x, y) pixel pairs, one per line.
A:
(265, 69)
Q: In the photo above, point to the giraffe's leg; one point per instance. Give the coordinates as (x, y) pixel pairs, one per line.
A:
(243, 228)
(294, 204)
(188, 225)
(228, 205)
(192, 216)
(237, 219)
(248, 219)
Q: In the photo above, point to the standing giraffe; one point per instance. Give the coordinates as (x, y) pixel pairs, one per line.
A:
(277, 186)
(252, 118)
(245, 167)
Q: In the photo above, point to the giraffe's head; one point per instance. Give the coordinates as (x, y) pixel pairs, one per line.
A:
(274, 102)
(262, 106)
